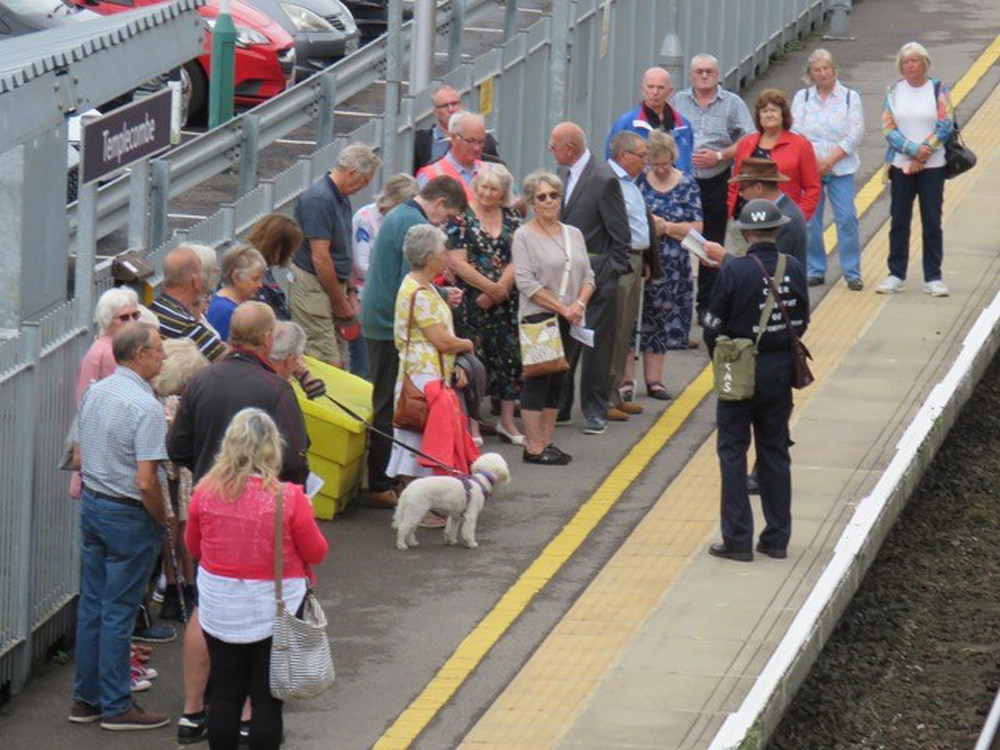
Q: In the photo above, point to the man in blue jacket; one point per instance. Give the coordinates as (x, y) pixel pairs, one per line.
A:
(655, 113)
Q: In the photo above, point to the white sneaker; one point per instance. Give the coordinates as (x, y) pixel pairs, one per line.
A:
(936, 288)
(891, 285)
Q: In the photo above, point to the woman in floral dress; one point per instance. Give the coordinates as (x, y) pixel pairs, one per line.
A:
(667, 302)
(480, 257)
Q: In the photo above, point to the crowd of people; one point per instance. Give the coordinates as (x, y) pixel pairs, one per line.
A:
(441, 292)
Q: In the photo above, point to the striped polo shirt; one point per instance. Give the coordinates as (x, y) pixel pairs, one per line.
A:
(177, 323)
(120, 424)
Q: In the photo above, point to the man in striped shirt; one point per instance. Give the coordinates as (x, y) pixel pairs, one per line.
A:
(182, 300)
(123, 432)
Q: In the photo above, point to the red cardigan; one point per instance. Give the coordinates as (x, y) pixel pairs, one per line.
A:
(796, 160)
(236, 539)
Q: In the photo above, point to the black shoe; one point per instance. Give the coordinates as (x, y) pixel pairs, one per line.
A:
(721, 550)
(552, 448)
(855, 285)
(563, 418)
(545, 458)
(772, 552)
(244, 734)
(816, 280)
(192, 728)
(753, 486)
(172, 608)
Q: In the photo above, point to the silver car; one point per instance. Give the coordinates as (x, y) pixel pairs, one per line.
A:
(324, 30)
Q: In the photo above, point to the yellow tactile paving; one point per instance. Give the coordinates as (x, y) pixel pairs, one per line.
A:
(630, 586)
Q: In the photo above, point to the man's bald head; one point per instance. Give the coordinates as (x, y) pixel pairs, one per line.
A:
(252, 327)
(657, 88)
(567, 143)
(180, 264)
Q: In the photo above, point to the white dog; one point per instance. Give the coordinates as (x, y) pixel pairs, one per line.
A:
(460, 499)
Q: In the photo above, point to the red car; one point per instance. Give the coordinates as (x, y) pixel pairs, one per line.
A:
(265, 52)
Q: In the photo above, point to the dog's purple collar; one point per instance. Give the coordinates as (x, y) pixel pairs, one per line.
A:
(490, 477)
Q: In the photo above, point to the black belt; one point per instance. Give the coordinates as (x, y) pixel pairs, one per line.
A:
(120, 500)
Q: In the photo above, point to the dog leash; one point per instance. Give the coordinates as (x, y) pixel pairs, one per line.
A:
(351, 413)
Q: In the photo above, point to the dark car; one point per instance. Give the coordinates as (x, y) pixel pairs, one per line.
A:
(323, 30)
(372, 17)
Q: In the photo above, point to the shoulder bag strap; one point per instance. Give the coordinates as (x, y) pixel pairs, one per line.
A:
(409, 329)
(765, 314)
(566, 263)
(279, 536)
(774, 292)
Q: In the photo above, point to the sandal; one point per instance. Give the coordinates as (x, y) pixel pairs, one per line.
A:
(658, 391)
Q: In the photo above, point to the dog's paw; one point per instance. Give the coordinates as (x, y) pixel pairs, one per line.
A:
(401, 545)
(472, 545)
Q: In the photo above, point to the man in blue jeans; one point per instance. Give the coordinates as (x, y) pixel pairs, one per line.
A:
(122, 439)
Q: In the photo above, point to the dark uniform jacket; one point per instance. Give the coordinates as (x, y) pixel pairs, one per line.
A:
(216, 394)
(739, 295)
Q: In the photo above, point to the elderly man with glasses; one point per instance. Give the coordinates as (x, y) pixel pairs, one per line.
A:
(461, 162)
(430, 144)
(719, 119)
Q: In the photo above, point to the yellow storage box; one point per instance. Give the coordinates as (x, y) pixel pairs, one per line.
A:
(337, 441)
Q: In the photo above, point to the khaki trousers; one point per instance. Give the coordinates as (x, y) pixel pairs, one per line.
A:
(311, 309)
(629, 299)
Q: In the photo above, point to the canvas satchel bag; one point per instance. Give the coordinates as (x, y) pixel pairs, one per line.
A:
(301, 662)
(542, 350)
(734, 361)
(411, 406)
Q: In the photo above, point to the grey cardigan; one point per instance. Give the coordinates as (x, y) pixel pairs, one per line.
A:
(539, 262)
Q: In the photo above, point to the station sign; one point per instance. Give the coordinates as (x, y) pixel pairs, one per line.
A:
(125, 135)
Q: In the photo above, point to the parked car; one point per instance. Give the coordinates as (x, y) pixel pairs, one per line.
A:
(265, 52)
(323, 30)
(372, 17)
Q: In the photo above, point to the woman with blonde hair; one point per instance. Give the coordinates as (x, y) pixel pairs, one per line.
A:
(917, 120)
(829, 115)
(243, 269)
(231, 532)
(674, 199)
(479, 255)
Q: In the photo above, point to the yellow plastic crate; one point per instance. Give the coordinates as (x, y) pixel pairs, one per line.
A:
(337, 441)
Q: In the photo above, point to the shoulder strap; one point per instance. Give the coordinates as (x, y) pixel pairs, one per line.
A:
(279, 536)
(773, 296)
(409, 329)
(566, 264)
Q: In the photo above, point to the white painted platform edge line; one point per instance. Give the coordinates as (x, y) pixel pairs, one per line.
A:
(858, 529)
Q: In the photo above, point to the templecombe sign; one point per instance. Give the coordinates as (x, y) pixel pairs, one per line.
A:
(126, 135)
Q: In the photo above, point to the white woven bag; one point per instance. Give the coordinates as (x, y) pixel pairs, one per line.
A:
(301, 662)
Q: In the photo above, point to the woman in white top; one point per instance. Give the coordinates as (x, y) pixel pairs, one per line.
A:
(917, 120)
(829, 115)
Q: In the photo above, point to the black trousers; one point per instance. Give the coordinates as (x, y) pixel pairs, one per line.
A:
(767, 413)
(714, 191)
(383, 364)
(928, 185)
(239, 670)
(595, 373)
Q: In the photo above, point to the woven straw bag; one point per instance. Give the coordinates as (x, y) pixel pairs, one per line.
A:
(301, 662)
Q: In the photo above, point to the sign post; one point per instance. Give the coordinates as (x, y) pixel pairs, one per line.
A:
(220, 84)
(129, 134)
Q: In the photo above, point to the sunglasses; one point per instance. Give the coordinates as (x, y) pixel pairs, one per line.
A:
(126, 317)
(553, 196)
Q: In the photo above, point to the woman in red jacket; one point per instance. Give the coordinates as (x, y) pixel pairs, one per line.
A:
(230, 532)
(775, 140)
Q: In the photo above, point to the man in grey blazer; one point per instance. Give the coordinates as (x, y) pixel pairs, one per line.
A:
(594, 204)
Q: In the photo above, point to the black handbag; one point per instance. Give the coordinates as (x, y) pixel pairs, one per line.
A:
(958, 158)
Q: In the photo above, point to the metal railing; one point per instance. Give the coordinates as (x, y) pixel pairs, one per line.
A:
(549, 71)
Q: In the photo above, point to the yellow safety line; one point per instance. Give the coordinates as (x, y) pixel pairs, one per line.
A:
(412, 721)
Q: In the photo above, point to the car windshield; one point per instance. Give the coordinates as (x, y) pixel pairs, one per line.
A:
(37, 7)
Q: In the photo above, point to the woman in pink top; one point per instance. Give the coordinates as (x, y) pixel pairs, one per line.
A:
(230, 532)
(115, 308)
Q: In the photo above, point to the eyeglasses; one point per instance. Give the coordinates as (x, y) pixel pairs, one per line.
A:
(126, 317)
(472, 141)
(449, 105)
(545, 197)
